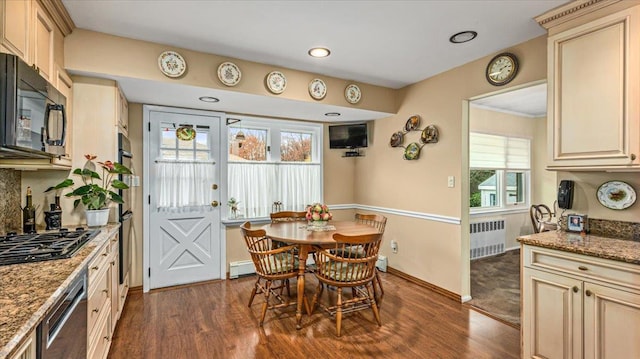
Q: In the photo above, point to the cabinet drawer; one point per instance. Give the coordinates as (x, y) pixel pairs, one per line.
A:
(619, 273)
(100, 340)
(98, 264)
(99, 299)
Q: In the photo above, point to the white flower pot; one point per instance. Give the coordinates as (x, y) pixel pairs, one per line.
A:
(97, 217)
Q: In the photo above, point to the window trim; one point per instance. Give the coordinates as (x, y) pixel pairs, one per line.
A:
(273, 156)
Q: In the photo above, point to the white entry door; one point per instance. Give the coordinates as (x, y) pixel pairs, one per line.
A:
(184, 244)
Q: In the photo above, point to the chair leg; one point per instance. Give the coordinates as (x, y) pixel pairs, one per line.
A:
(254, 291)
(288, 288)
(378, 281)
(374, 306)
(339, 312)
(265, 305)
(316, 296)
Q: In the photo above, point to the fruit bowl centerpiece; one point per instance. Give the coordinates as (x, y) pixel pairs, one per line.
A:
(318, 214)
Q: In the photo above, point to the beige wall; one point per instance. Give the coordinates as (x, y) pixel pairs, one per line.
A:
(433, 251)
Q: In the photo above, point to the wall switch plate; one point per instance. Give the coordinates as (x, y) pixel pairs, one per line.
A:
(394, 246)
(451, 181)
(135, 181)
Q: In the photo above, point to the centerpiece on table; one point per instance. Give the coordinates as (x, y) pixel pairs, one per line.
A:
(318, 215)
(96, 192)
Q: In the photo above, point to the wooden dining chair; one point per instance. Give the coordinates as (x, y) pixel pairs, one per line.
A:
(379, 222)
(341, 267)
(271, 264)
(288, 216)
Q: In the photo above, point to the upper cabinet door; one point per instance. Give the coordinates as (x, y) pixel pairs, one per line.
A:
(594, 93)
(43, 32)
(14, 32)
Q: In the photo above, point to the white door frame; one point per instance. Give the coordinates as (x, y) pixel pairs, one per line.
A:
(146, 109)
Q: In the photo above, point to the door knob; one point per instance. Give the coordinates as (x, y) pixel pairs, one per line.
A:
(214, 203)
(214, 186)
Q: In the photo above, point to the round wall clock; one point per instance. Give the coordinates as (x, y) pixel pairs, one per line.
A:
(172, 64)
(317, 89)
(276, 82)
(502, 69)
(353, 94)
(229, 74)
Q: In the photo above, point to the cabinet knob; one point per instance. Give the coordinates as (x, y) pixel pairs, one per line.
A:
(106, 338)
(104, 254)
(95, 268)
(633, 157)
(105, 291)
(583, 268)
(588, 293)
(575, 289)
(96, 310)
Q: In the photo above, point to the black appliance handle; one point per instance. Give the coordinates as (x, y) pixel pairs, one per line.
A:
(65, 307)
(126, 216)
(126, 154)
(55, 107)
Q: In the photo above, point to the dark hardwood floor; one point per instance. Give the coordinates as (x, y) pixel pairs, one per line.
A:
(212, 320)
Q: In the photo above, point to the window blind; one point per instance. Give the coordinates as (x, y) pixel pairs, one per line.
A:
(498, 152)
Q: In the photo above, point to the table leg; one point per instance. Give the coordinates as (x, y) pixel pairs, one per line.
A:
(302, 266)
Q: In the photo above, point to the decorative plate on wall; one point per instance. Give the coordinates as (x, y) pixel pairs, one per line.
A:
(412, 152)
(429, 134)
(229, 74)
(276, 82)
(616, 195)
(172, 64)
(317, 89)
(412, 123)
(396, 139)
(353, 94)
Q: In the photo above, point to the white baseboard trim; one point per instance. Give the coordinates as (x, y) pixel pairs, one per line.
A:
(466, 298)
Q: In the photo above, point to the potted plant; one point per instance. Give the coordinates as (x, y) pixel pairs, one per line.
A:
(96, 192)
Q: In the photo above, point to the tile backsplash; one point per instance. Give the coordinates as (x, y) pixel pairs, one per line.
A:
(11, 202)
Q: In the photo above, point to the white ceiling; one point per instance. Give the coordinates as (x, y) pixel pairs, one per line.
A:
(386, 43)
(527, 102)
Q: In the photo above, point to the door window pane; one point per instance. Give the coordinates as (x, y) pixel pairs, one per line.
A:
(295, 147)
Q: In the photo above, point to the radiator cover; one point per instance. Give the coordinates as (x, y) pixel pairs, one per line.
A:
(487, 238)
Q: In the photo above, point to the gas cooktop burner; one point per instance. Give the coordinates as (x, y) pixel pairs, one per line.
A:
(23, 248)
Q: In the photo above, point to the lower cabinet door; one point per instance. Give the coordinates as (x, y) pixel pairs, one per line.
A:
(552, 315)
(611, 323)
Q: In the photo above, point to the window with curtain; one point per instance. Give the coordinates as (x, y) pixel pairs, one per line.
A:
(499, 170)
(273, 161)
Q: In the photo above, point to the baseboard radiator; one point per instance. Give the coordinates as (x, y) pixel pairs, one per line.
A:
(487, 238)
(240, 268)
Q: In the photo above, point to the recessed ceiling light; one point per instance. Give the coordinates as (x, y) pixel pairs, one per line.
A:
(463, 36)
(209, 99)
(332, 114)
(319, 52)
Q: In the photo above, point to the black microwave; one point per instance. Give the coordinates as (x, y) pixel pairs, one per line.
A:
(32, 112)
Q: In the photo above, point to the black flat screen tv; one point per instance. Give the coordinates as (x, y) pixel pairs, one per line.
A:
(348, 136)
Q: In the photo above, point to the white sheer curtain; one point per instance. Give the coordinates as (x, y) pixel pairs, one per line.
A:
(257, 185)
(184, 185)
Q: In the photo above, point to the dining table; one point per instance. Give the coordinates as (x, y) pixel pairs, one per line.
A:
(306, 236)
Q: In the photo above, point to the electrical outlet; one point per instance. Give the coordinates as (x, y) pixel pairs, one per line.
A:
(394, 246)
(451, 181)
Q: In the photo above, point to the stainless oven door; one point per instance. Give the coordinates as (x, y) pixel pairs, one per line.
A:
(63, 331)
(124, 209)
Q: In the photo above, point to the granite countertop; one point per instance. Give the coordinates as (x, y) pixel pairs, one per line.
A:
(602, 247)
(27, 291)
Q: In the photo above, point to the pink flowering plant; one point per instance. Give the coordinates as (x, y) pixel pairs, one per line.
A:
(96, 192)
(318, 212)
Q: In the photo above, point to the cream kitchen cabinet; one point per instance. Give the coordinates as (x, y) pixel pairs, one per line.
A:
(576, 306)
(593, 87)
(42, 41)
(123, 113)
(103, 304)
(15, 32)
(28, 349)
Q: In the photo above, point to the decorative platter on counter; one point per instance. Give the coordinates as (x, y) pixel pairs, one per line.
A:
(397, 139)
(317, 89)
(616, 195)
(412, 123)
(172, 64)
(276, 82)
(353, 94)
(229, 74)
